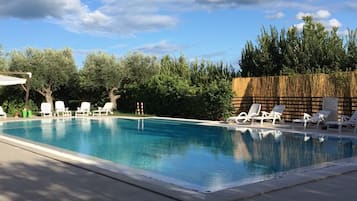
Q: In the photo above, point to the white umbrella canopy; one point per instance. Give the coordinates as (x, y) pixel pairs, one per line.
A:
(8, 80)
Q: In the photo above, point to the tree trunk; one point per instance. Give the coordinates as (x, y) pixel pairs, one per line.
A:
(47, 93)
(26, 88)
(49, 99)
(113, 98)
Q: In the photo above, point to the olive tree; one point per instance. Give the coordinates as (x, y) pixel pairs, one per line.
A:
(51, 69)
(102, 71)
(141, 68)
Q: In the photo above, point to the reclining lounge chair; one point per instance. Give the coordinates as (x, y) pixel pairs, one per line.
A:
(46, 109)
(106, 109)
(317, 118)
(274, 115)
(345, 121)
(60, 109)
(2, 113)
(245, 117)
(84, 110)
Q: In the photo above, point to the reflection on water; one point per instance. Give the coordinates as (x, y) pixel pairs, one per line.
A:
(60, 126)
(140, 124)
(46, 126)
(278, 152)
(85, 125)
(210, 157)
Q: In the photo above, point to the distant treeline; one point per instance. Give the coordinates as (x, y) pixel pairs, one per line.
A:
(168, 86)
(311, 50)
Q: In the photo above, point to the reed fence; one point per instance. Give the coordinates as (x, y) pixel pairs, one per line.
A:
(299, 93)
(294, 106)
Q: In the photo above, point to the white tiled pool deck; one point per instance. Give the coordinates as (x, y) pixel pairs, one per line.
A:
(31, 173)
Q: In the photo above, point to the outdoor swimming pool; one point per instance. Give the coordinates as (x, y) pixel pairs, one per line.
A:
(204, 158)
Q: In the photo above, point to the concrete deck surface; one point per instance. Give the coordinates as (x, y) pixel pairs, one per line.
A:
(337, 188)
(25, 175)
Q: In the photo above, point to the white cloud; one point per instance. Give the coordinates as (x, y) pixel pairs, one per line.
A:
(95, 17)
(300, 26)
(119, 17)
(277, 15)
(128, 17)
(343, 33)
(327, 24)
(301, 15)
(322, 14)
(161, 47)
(319, 14)
(112, 17)
(334, 23)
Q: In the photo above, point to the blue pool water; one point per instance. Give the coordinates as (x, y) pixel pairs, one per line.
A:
(207, 158)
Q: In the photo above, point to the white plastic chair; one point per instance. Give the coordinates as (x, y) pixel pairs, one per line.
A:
(2, 113)
(254, 110)
(106, 109)
(61, 109)
(84, 109)
(316, 118)
(46, 109)
(274, 115)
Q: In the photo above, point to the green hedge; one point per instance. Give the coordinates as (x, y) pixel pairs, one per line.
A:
(172, 96)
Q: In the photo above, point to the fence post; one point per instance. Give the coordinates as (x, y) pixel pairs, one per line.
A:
(350, 109)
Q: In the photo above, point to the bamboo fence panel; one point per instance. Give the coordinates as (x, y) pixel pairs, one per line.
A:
(299, 93)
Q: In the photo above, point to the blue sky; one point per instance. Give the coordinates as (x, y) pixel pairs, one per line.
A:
(215, 30)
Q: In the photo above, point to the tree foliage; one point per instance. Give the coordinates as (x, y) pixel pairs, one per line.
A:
(183, 89)
(102, 71)
(351, 46)
(312, 50)
(140, 67)
(51, 69)
(168, 87)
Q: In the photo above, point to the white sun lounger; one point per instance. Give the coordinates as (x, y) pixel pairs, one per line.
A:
(46, 109)
(245, 117)
(2, 113)
(106, 109)
(345, 121)
(316, 118)
(274, 115)
(84, 110)
(60, 109)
